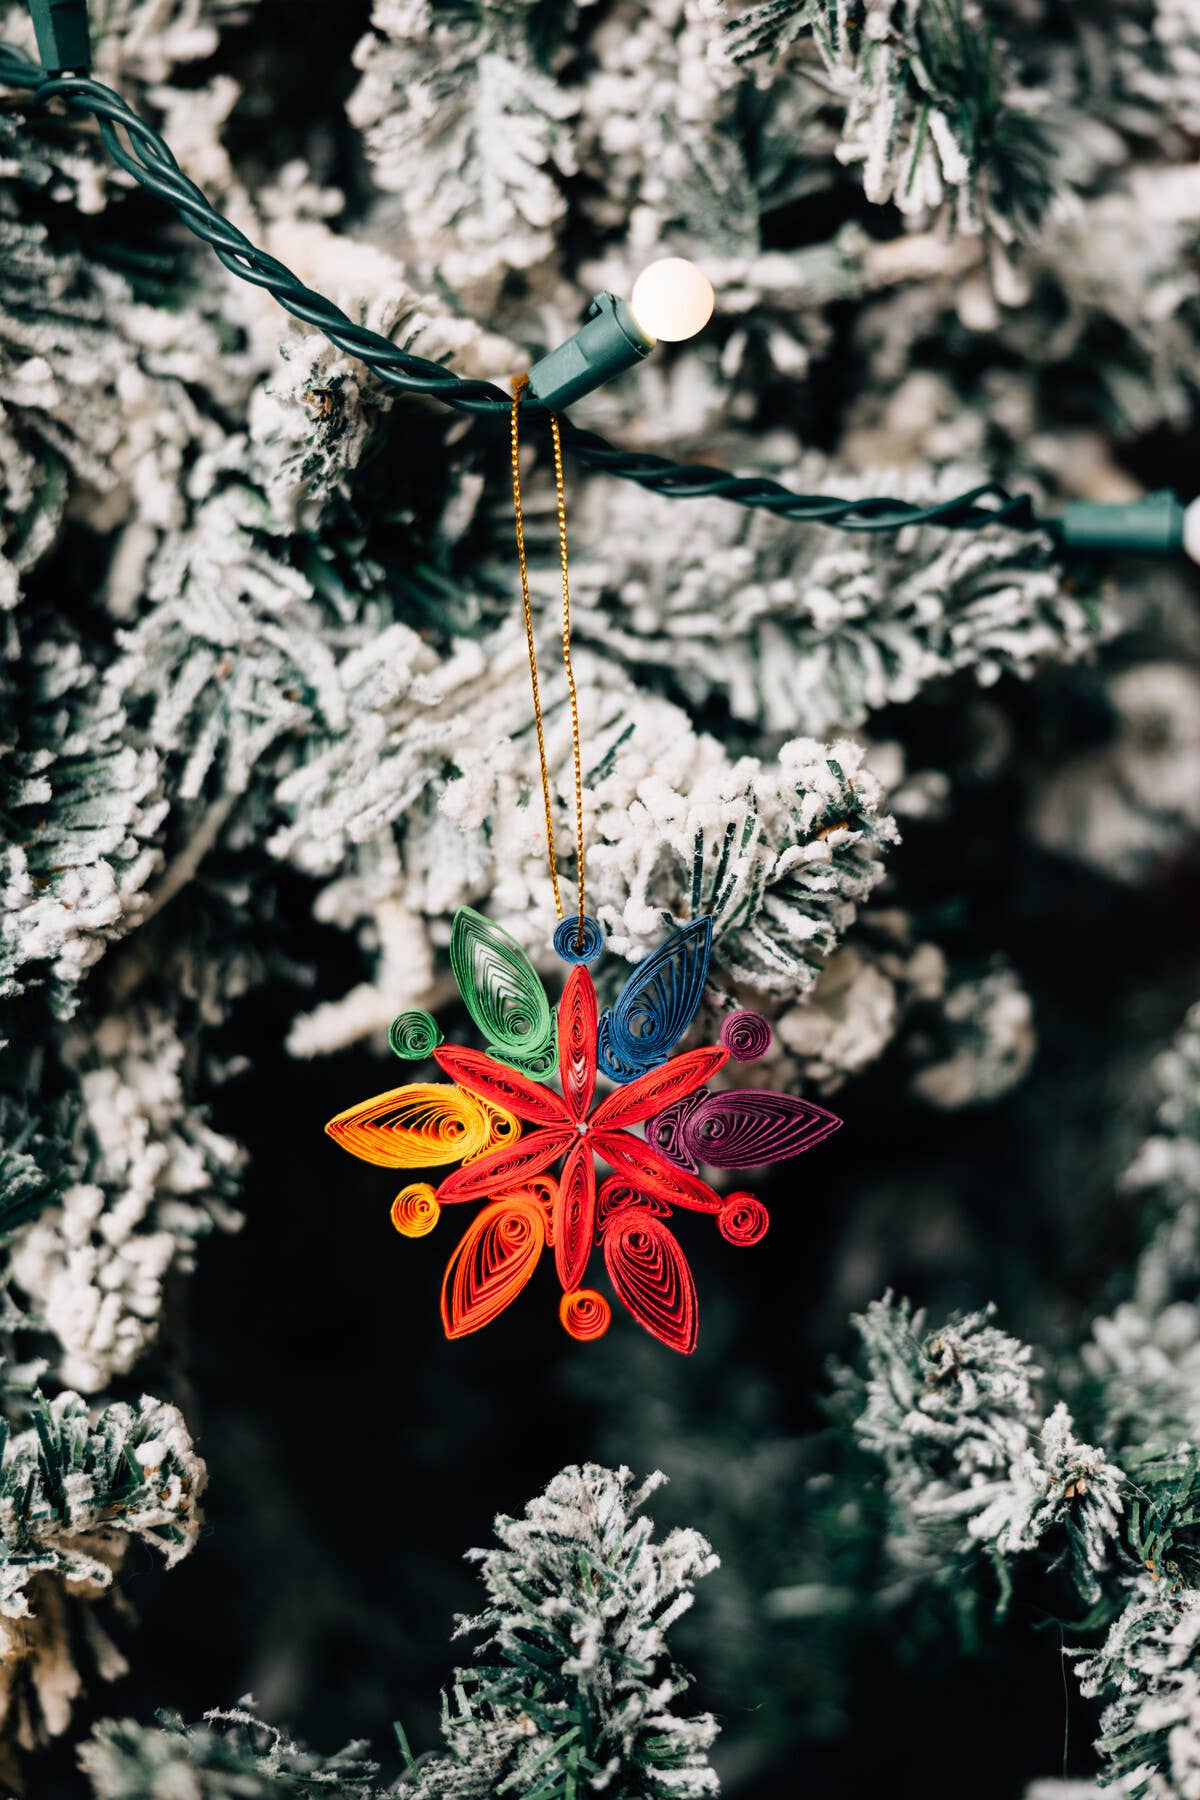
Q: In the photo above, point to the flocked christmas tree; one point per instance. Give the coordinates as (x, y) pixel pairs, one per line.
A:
(262, 658)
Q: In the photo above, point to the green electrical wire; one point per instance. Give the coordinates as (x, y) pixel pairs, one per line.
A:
(138, 149)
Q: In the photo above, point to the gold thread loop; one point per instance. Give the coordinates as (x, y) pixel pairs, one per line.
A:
(560, 495)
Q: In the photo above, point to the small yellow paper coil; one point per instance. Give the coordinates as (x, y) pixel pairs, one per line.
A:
(415, 1210)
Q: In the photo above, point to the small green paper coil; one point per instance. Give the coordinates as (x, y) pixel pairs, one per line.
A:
(414, 1035)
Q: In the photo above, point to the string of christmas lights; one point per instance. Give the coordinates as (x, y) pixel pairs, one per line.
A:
(1156, 523)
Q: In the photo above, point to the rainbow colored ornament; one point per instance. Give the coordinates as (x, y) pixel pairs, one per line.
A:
(530, 1151)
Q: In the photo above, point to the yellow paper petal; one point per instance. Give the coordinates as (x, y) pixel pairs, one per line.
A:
(421, 1125)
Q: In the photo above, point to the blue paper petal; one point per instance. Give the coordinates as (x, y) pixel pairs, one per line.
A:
(656, 1005)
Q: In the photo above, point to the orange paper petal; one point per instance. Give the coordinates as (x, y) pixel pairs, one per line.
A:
(498, 1253)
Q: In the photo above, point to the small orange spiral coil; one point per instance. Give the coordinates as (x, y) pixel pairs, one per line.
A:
(585, 1314)
(415, 1210)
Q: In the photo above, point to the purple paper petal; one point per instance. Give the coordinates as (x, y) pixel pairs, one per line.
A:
(665, 1130)
(747, 1127)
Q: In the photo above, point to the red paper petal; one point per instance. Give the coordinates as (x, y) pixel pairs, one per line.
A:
(618, 1195)
(497, 1254)
(659, 1088)
(501, 1086)
(575, 1215)
(652, 1279)
(577, 1041)
(644, 1167)
(507, 1168)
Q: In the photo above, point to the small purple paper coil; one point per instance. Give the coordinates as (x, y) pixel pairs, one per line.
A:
(745, 1128)
(746, 1035)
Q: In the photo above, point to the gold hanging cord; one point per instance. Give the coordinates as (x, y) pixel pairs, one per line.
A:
(518, 387)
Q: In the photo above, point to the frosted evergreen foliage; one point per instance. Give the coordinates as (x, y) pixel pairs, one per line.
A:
(973, 1462)
(75, 1491)
(1150, 1662)
(817, 630)
(1146, 1354)
(659, 112)
(144, 41)
(777, 1631)
(77, 877)
(490, 198)
(33, 1147)
(984, 1044)
(346, 722)
(657, 108)
(258, 613)
(576, 1693)
(927, 113)
(957, 1419)
(149, 50)
(1130, 804)
(231, 1755)
(967, 1035)
(97, 382)
(140, 1177)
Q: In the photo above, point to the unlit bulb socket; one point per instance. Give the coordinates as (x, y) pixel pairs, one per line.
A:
(1152, 523)
(61, 28)
(610, 341)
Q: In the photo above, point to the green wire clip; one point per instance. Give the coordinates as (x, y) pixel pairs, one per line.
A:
(63, 39)
(610, 341)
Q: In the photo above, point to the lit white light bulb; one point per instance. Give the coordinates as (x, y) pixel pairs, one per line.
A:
(672, 300)
(1191, 529)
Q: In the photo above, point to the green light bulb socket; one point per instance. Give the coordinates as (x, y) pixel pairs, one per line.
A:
(63, 41)
(1152, 523)
(610, 341)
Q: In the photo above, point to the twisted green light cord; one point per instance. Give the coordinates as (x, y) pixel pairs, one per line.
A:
(138, 149)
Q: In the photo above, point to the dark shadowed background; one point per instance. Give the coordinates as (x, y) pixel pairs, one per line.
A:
(331, 1568)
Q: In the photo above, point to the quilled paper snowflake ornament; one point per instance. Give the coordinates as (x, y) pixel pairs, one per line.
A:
(524, 1124)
